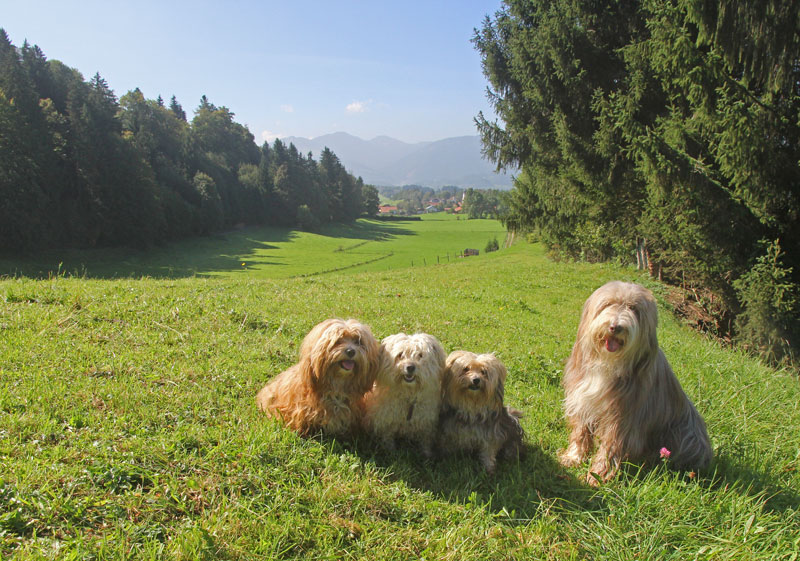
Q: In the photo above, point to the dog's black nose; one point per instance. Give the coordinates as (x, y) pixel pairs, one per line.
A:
(350, 352)
(476, 382)
(613, 328)
(410, 368)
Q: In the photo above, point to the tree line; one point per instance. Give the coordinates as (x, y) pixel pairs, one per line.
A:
(486, 203)
(666, 130)
(81, 168)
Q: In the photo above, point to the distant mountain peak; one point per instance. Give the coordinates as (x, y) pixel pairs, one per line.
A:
(387, 161)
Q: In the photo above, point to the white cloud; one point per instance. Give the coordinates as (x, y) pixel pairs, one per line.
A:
(269, 136)
(287, 108)
(358, 106)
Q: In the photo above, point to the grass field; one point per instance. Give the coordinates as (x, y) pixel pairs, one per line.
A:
(128, 427)
(264, 252)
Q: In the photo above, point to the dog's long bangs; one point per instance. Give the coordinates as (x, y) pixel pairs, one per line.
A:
(425, 347)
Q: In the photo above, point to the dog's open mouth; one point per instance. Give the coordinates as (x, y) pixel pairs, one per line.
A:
(409, 377)
(347, 365)
(613, 344)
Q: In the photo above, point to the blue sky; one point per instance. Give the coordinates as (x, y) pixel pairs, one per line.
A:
(405, 69)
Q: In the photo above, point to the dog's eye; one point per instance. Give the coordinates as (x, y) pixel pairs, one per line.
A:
(466, 369)
(483, 371)
(419, 356)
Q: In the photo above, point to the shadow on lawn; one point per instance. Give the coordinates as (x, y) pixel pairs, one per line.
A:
(516, 492)
(745, 480)
(228, 251)
(521, 488)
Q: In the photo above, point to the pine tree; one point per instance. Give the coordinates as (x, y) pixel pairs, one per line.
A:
(672, 126)
(176, 109)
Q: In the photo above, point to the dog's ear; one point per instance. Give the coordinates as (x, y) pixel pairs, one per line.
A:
(314, 365)
(437, 351)
(314, 351)
(384, 356)
(387, 346)
(648, 320)
(500, 373)
(499, 395)
(447, 375)
(372, 353)
(452, 358)
(588, 313)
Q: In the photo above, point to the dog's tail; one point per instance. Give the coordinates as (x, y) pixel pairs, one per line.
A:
(514, 412)
(513, 433)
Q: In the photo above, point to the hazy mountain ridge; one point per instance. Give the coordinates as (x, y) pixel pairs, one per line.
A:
(388, 161)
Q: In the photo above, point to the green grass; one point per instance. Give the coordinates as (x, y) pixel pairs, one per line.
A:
(266, 252)
(128, 427)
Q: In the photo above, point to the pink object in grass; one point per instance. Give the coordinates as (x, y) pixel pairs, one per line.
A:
(665, 453)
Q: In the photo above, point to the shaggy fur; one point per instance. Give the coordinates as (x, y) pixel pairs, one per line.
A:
(620, 389)
(324, 390)
(405, 401)
(473, 417)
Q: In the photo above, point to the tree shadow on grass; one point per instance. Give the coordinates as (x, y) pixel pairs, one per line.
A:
(198, 256)
(368, 230)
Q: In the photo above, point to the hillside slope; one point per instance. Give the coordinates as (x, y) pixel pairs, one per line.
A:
(129, 427)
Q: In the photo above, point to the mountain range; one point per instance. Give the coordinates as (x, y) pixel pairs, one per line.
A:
(386, 161)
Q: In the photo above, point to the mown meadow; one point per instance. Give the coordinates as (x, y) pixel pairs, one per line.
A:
(128, 427)
(273, 252)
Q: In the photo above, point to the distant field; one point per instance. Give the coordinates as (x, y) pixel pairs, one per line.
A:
(367, 245)
(128, 428)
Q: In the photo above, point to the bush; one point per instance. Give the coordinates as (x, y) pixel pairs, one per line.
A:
(306, 219)
(768, 323)
(492, 245)
(211, 212)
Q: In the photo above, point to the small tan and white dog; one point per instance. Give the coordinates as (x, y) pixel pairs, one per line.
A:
(620, 389)
(324, 391)
(473, 417)
(405, 400)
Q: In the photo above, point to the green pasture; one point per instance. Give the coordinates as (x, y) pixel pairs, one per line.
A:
(128, 428)
(269, 252)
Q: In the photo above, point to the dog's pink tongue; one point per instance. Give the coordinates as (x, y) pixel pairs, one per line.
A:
(612, 345)
(348, 364)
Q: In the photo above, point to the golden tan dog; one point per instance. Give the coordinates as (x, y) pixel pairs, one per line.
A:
(324, 390)
(473, 417)
(620, 389)
(405, 401)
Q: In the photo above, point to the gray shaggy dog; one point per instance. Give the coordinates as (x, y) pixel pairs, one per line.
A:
(621, 391)
(473, 417)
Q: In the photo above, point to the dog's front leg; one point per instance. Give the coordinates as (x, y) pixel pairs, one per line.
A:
(387, 442)
(580, 446)
(426, 443)
(601, 470)
(488, 457)
(604, 465)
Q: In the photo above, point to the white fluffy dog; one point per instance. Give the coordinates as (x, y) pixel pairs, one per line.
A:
(620, 389)
(405, 400)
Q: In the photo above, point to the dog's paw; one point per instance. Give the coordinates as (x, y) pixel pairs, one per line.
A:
(388, 444)
(570, 457)
(594, 479)
(489, 463)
